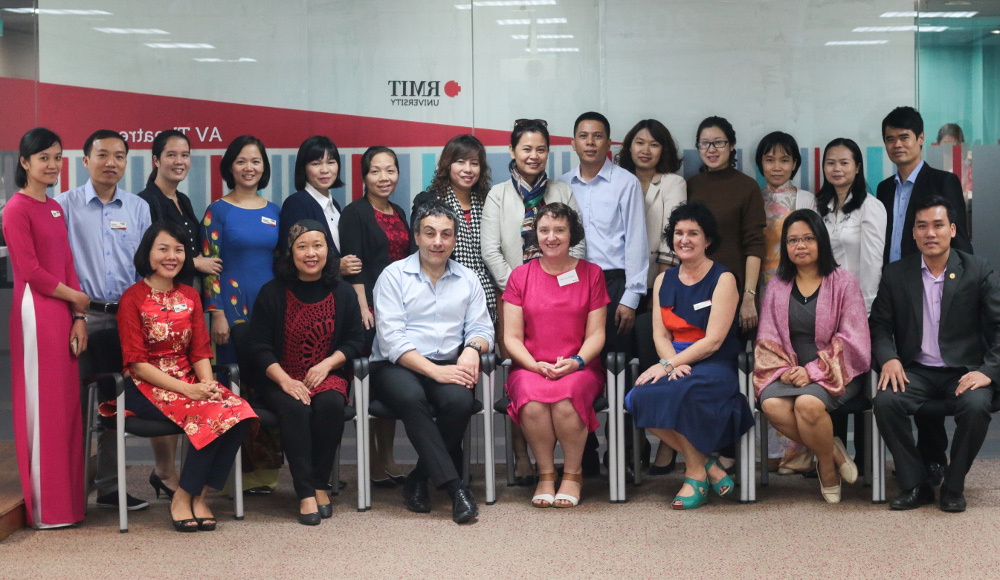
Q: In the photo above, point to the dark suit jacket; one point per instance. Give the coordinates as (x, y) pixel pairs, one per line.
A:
(361, 235)
(162, 207)
(929, 182)
(301, 206)
(969, 332)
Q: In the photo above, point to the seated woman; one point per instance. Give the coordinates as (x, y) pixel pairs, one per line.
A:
(166, 351)
(306, 327)
(812, 346)
(554, 309)
(690, 399)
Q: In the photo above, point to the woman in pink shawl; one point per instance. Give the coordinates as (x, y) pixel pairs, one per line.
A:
(813, 346)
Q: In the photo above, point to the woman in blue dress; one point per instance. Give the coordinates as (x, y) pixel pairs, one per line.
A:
(690, 399)
(242, 230)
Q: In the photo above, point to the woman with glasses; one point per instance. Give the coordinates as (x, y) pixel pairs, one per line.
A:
(507, 233)
(734, 199)
(812, 346)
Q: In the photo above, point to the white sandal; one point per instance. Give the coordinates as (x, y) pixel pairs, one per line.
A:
(573, 501)
(546, 498)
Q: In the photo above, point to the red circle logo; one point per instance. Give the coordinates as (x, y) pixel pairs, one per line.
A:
(451, 88)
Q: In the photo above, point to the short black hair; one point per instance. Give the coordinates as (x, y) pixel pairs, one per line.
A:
(787, 144)
(904, 118)
(593, 116)
(285, 268)
(312, 149)
(141, 258)
(102, 134)
(159, 143)
(726, 127)
(433, 208)
(34, 141)
(825, 262)
(557, 211)
(528, 126)
(934, 201)
(701, 215)
(670, 159)
(233, 151)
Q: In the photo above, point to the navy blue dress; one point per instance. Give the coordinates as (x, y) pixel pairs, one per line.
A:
(706, 407)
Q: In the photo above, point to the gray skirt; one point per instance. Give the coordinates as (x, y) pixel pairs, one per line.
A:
(780, 389)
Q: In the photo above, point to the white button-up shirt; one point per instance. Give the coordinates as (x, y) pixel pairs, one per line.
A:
(329, 210)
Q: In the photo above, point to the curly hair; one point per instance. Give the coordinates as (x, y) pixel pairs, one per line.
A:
(458, 148)
(700, 214)
(559, 211)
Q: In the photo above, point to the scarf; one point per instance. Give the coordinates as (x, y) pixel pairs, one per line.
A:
(534, 200)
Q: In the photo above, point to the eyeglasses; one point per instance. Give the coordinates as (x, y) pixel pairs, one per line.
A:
(541, 122)
(803, 240)
(703, 145)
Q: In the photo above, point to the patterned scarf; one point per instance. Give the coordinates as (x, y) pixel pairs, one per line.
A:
(534, 200)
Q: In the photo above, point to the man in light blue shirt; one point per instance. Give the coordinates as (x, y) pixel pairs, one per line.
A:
(105, 225)
(431, 327)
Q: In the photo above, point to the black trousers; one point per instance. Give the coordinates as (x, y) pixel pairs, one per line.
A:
(972, 416)
(209, 465)
(310, 435)
(435, 417)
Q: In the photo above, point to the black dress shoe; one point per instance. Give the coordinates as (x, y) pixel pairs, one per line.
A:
(416, 495)
(935, 473)
(911, 499)
(312, 519)
(326, 511)
(952, 501)
(463, 506)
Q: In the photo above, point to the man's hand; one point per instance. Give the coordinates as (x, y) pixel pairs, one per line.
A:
(893, 374)
(453, 374)
(469, 361)
(971, 382)
(624, 319)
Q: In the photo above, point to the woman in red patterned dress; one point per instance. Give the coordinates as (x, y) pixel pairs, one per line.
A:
(305, 329)
(165, 348)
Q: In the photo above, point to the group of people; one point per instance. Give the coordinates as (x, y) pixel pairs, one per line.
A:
(614, 256)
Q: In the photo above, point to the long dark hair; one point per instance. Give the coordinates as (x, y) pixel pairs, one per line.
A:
(159, 143)
(825, 262)
(670, 160)
(462, 147)
(859, 189)
(34, 141)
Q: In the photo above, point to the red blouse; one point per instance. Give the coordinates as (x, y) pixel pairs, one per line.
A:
(308, 339)
(395, 230)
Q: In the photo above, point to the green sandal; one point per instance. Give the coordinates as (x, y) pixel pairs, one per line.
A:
(724, 486)
(692, 501)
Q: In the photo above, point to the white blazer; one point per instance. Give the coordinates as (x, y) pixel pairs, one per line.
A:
(665, 192)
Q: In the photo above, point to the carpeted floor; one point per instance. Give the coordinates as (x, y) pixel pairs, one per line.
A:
(788, 533)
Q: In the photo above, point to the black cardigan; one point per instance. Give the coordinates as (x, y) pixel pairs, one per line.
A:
(361, 235)
(267, 324)
(162, 207)
(300, 206)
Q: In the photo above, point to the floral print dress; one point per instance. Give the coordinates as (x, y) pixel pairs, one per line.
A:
(167, 330)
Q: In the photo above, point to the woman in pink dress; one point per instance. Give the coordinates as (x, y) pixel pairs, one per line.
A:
(554, 309)
(47, 320)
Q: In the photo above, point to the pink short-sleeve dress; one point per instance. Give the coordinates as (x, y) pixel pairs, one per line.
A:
(555, 323)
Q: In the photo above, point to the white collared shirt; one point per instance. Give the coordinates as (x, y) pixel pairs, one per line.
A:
(329, 210)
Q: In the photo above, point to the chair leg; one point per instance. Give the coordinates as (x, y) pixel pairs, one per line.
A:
(238, 483)
(489, 443)
(89, 443)
(120, 439)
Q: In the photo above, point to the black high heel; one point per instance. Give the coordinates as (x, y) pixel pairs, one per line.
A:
(664, 469)
(204, 524)
(185, 525)
(158, 486)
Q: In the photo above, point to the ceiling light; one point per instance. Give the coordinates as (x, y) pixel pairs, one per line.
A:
(855, 42)
(928, 15)
(541, 36)
(501, 3)
(58, 12)
(178, 45)
(244, 59)
(527, 21)
(900, 29)
(131, 30)
(553, 49)
(995, 31)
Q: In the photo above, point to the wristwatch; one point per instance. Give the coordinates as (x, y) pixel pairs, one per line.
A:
(664, 363)
(475, 345)
(82, 317)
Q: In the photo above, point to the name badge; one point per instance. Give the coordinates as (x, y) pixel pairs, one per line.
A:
(117, 225)
(56, 214)
(701, 305)
(180, 307)
(567, 278)
(268, 221)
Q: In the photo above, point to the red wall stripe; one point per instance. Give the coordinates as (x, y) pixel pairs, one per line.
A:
(64, 184)
(356, 178)
(956, 161)
(216, 184)
(817, 181)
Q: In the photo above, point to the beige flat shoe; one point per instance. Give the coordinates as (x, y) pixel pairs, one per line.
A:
(801, 463)
(832, 493)
(848, 470)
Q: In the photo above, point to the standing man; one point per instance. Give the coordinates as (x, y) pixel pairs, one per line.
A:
(432, 326)
(935, 328)
(914, 183)
(105, 225)
(613, 216)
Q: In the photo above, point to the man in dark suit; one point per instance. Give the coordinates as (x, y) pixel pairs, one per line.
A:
(915, 181)
(935, 328)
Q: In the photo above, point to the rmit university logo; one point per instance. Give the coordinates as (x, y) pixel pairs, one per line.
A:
(420, 93)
